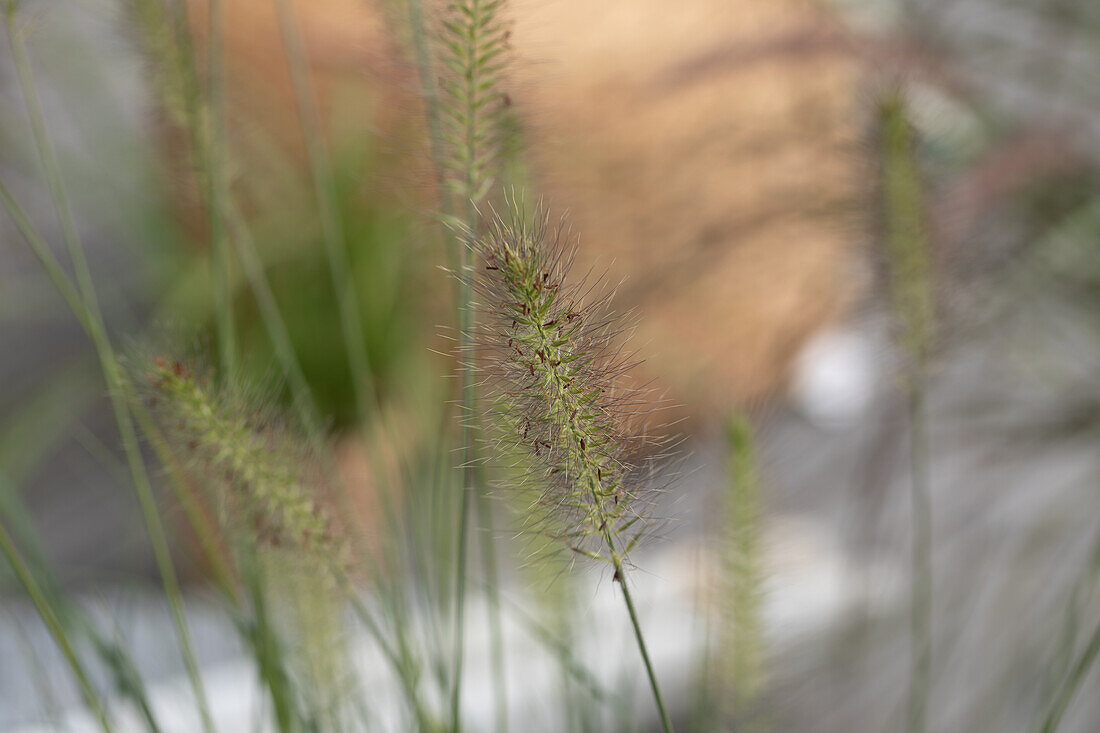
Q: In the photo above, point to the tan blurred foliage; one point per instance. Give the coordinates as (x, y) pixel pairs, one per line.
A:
(703, 148)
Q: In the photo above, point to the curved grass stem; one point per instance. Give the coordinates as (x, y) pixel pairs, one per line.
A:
(108, 361)
(57, 631)
(216, 195)
(1071, 684)
(921, 612)
(620, 572)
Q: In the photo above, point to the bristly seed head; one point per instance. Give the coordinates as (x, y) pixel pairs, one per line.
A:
(251, 463)
(555, 373)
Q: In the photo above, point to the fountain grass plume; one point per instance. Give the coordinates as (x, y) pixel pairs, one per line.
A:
(158, 28)
(268, 492)
(742, 597)
(465, 124)
(554, 370)
(254, 471)
(909, 268)
(474, 39)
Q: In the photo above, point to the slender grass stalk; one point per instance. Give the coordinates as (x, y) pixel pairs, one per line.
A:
(554, 374)
(492, 586)
(560, 649)
(46, 257)
(464, 131)
(31, 433)
(127, 677)
(49, 708)
(907, 251)
(332, 228)
(65, 287)
(1071, 684)
(400, 659)
(217, 194)
(181, 97)
(166, 39)
(14, 513)
(252, 266)
(21, 447)
(302, 400)
(666, 722)
(268, 652)
(556, 605)
(127, 680)
(57, 631)
(108, 360)
(468, 489)
(921, 593)
(1061, 676)
(335, 241)
(429, 93)
(704, 714)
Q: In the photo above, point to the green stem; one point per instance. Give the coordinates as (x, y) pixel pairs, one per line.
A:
(459, 258)
(38, 598)
(268, 307)
(560, 649)
(402, 662)
(243, 244)
(468, 486)
(113, 655)
(332, 229)
(108, 361)
(492, 588)
(152, 433)
(620, 573)
(429, 91)
(46, 257)
(921, 599)
(216, 193)
(268, 652)
(1072, 684)
(465, 329)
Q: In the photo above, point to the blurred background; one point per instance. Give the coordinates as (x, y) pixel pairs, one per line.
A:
(722, 161)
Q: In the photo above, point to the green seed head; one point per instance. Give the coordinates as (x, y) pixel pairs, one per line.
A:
(251, 466)
(549, 348)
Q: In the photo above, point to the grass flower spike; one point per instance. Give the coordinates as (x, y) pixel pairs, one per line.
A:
(261, 468)
(909, 264)
(906, 233)
(554, 371)
(474, 40)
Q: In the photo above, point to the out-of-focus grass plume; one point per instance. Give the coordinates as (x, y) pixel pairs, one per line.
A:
(556, 370)
(906, 231)
(740, 648)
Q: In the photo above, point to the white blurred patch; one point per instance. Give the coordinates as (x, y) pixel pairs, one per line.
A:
(833, 380)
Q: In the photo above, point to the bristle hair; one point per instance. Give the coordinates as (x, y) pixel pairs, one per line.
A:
(553, 364)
